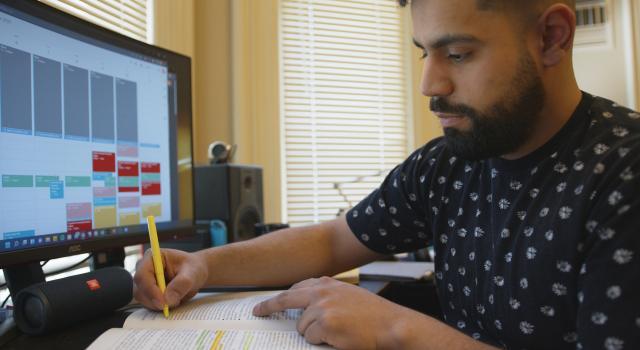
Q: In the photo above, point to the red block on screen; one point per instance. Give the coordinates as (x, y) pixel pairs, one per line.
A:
(150, 188)
(150, 167)
(128, 189)
(79, 226)
(104, 162)
(128, 168)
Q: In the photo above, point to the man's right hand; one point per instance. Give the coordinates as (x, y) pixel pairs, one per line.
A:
(185, 274)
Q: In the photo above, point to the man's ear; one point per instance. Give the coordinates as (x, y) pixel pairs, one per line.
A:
(556, 30)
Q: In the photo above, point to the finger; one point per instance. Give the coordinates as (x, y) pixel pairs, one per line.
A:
(141, 298)
(147, 291)
(188, 297)
(309, 315)
(312, 282)
(314, 334)
(290, 299)
(170, 270)
(178, 288)
(305, 283)
(149, 294)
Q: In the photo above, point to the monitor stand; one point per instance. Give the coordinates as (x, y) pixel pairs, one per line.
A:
(22, 276)
(107, 258)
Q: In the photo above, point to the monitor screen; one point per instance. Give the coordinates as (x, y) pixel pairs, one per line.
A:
(95, 135)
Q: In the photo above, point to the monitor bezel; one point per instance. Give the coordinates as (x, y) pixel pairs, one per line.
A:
(178, 64)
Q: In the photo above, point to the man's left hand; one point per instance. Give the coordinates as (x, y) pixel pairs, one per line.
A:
(342, 315)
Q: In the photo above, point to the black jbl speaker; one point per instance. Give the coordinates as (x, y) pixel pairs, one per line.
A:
(231, 193)
(50, 306)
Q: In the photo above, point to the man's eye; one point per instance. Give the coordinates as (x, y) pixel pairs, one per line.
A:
(457, 57)
(423, 56)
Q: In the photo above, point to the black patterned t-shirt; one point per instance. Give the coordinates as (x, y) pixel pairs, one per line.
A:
(541, 252)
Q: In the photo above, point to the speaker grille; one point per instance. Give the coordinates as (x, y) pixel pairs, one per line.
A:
(245, 223)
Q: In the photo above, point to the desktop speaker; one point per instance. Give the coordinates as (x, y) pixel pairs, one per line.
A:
(231, 193)
(50, 306)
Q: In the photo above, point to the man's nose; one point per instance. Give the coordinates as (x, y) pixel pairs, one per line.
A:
(435, 79)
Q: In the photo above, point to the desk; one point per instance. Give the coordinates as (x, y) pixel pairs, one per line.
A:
(77, 337)
(415, 295)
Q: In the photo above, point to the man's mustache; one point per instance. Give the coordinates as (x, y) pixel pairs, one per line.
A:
(441, 105)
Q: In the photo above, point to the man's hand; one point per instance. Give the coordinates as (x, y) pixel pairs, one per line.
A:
(184, 272)
(339, 314)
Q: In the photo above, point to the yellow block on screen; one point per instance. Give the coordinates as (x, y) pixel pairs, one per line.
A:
(105, 217)
(151, 209)
(129, 219)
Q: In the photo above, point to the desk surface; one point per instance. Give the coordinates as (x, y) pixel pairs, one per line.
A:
(76, 337)
(82, 335)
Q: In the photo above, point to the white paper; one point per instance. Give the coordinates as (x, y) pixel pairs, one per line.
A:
(209, 321)
(217, 311)
(397, 269)
(200, 339)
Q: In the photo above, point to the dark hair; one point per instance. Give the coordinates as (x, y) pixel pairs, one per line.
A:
(523, 11)
(491, 4)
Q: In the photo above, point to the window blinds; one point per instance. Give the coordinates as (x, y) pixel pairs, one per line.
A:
(128, 17)
(344, 102)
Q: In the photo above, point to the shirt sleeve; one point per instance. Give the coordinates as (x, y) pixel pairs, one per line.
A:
(392, 218)
(609, 280)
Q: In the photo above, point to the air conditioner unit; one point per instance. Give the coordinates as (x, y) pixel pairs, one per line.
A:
(606, 59)
(593, 23)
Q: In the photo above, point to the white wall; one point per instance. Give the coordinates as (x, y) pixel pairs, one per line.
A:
(610, 71)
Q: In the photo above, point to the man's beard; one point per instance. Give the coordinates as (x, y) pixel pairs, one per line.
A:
(506, 125)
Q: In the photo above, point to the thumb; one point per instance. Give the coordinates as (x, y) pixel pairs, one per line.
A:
(178, 289)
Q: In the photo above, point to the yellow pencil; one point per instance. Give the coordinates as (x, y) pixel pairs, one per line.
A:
(157, 258)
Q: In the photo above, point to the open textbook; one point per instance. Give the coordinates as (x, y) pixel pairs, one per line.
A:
(213, 321)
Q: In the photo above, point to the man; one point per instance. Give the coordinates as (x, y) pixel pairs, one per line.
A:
(531, 200)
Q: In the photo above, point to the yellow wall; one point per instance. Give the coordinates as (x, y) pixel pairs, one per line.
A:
(173, 25)
(234, 50)
(212, 74)
(201, 29)
(255, 89)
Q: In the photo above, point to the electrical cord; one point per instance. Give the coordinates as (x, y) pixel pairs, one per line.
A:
(71, 267)
(338, 186)
(65, 269)
(5, 301)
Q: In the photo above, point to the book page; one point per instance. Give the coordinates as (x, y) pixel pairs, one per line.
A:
(190, 339)
(217, 311)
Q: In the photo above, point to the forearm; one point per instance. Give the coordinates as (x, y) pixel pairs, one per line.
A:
(285, 257)
(414, 330)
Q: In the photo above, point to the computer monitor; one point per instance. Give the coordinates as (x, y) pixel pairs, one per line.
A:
(95, 135)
